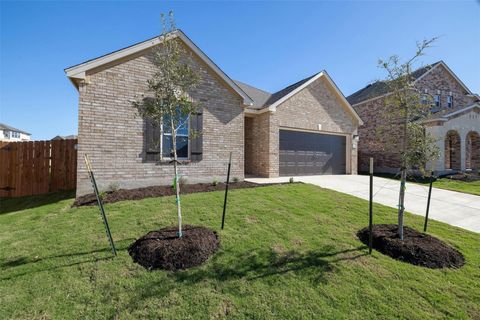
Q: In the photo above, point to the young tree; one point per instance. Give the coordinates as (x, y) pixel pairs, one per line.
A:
(405, 108)
(168, 103)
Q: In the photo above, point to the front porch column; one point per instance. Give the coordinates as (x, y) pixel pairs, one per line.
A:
(463, 151)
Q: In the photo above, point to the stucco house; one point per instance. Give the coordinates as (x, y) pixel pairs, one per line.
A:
(306, 128)
(454, 122)
(11, 134)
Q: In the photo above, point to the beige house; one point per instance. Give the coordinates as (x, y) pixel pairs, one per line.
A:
(306, 128)
(454, 123)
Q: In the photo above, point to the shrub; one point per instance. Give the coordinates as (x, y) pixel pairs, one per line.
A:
(235, 179)
(291, 180)
(112, 187)
(215, 182)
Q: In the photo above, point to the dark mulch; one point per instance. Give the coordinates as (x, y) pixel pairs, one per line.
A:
(163, 249)
(416, 248)
(158, 191)
(466, 177)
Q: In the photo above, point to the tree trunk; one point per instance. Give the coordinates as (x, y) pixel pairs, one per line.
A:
(403, 177)
(401, 202)
(177, 184)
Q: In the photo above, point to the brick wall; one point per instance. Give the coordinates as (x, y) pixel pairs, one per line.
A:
(381, 140)
(113, 135)
(314, 105)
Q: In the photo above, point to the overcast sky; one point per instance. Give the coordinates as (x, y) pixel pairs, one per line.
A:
(266, 44)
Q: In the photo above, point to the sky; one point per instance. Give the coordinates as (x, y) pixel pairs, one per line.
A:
(266, 44)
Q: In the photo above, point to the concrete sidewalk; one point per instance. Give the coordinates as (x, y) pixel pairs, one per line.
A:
(455, 208)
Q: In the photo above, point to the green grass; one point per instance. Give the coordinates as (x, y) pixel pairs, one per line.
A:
(287, 252)
(472, 187)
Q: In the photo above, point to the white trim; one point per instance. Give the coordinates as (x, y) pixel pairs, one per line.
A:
(332, 133)
(441, 63)
(306, 84)
(259, 111)
(79, 71)
(446, 117)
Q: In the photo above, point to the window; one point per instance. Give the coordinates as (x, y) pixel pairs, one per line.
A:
(450, 100)
(15, 134)
(6, 134)
(182, 137)
(424, 99)
(437, 100)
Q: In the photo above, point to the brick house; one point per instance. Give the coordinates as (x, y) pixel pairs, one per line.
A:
(306, 128)
(454, 122)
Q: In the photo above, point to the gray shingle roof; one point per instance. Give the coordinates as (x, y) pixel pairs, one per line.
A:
(258, 96)
(263, 99)
(379, 88)
(9, 128)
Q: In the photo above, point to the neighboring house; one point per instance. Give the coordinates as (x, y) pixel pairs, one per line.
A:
(454, 122)
(72, 136)
(306, 128)
(8, 133)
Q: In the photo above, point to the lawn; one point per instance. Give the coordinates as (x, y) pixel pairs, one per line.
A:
(287, 252)
(472, 187)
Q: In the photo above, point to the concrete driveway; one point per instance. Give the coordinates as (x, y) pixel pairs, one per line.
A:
(455, 208)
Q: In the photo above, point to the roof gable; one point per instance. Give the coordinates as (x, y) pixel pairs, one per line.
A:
(380, 88)
(299, 86)
(78, 72)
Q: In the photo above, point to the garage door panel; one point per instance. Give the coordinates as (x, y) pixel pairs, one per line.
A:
(304, 153)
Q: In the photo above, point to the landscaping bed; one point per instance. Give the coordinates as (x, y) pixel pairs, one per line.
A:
(163, 249)
(158, 191)
(416, 248)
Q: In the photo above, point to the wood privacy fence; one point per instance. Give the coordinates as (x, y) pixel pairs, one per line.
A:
(37, 167)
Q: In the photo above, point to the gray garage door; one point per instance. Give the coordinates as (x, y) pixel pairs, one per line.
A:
(304, 153)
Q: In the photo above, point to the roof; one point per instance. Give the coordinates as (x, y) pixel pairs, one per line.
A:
(447, 114)
(79, 71)
(380, 88)
(9, 128)
(285, 91)
(264, 101)
(72, 136)
(259, 96)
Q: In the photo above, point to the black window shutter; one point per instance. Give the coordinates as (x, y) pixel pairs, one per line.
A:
(196, 141)
(152, 139)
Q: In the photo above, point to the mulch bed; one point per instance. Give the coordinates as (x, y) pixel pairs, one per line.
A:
(416, 248)
(466, 177)
(158, 191)
(163, 249)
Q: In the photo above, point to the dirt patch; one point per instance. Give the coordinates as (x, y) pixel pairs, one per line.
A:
(416, 248)
(158, 191)
(163, 249)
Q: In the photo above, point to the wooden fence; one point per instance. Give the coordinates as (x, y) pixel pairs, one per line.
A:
(37, 167)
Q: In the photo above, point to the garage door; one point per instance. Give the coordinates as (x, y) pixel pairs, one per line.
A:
(305, 153)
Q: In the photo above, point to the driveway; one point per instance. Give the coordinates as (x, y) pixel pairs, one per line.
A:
(455, 208)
